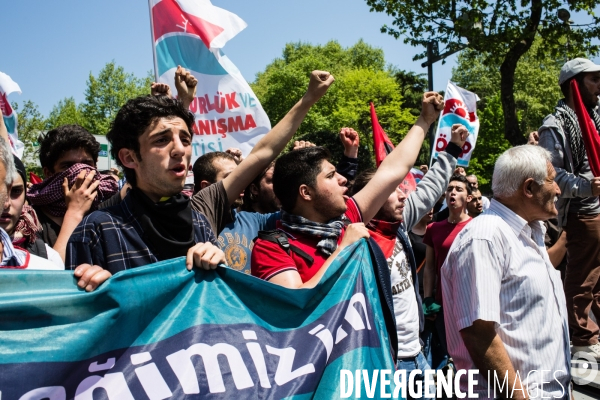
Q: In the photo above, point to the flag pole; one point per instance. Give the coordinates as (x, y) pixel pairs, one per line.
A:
(153, 44)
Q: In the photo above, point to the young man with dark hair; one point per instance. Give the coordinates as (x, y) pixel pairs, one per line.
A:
(68, 156)
(151, 138)
(475, 205)
(485, 202)
(312, 195)
(438, 239)
(236, 238)
(578, 206)
(212, 167)
(401, 212)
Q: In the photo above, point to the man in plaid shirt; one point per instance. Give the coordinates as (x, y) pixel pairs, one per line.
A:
(151, 140)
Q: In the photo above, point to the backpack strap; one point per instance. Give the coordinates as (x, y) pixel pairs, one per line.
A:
(38, 248)
(279, 237)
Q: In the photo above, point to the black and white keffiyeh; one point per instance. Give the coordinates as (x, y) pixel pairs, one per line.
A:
(328, 232)
(567, 118)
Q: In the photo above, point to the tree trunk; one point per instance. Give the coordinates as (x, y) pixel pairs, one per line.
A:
(512, 130)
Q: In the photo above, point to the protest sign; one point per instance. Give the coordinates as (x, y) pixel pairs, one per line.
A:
(460, 108)
(8, 86)
(191, 33)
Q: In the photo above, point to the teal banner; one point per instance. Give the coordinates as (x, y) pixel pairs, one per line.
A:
(162, 332)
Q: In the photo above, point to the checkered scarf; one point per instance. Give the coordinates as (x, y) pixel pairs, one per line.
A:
(50, 192)
(329, 232)
(27, 227)
(570, 124)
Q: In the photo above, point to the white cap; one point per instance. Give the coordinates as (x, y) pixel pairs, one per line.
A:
(575, 67)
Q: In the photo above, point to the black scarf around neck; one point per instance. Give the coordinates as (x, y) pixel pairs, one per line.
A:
(167, 225)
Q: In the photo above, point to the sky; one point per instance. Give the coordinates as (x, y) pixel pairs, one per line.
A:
(50, 47)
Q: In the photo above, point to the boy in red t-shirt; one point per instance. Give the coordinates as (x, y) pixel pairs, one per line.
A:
(440, 235)
(438, 240)
(311, 193)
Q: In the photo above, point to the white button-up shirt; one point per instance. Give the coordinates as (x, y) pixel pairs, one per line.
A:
(498, 270)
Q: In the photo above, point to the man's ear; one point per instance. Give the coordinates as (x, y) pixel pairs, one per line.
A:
(469, 198)
(527, 187)
(204, 184)
(254, 191)
(128, 158)
(47, 172)
(305, 192)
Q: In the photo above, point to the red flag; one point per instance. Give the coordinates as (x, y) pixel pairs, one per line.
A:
(588, 131)
(382, 145)
(34, 179)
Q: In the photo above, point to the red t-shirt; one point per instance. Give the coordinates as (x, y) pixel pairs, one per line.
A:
(440, 236)
(269, 259)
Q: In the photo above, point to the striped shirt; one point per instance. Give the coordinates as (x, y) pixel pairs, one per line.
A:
(498, 270)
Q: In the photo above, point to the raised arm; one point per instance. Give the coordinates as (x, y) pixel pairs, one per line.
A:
(397, 164)
(269, 147)
(186, 85)
(348, 164)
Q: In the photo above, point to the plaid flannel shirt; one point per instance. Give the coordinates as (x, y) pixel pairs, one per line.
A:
(112, 239)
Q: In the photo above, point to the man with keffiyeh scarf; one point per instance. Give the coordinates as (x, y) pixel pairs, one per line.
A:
(578, 206)
(316, 212)
(72, 186)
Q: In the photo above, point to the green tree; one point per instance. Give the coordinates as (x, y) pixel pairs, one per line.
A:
(106, 93)
(536, 94)
(30, 126)
(64, 113)
(361, 77)
(503, 30)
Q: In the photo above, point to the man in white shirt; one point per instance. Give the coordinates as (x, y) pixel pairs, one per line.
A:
(506, 310)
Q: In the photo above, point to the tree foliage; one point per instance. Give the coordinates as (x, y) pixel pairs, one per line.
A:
(503, 30)
(106, 93)
(66, 112)
(361, 77)
(104, 96)
(536, 94)
(31, 124)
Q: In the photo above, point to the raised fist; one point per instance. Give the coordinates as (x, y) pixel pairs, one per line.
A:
(236, 153)
(185, 83)
(350, 140)
(459, 135)
(160, 89)
(433, 104)
(319, 82)
(301, 144)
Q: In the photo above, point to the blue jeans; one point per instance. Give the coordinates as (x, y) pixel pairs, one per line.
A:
(412, 363)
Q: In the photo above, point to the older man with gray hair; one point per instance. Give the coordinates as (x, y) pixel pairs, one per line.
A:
(505, 302)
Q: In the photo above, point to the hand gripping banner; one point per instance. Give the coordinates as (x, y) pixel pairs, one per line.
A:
(162, 332)
(191, 33)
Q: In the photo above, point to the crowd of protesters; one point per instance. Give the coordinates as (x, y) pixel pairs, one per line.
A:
(475, 282)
